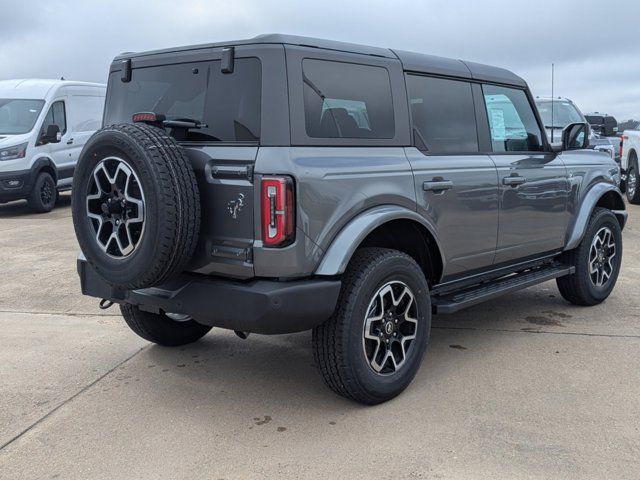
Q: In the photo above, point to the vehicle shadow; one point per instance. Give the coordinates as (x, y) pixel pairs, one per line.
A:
(281, 370)
(20, 208)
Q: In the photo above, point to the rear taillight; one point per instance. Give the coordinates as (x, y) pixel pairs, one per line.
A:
(278, 211)
(622, 138)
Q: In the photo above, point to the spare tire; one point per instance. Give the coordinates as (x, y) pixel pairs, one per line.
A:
(136, 205)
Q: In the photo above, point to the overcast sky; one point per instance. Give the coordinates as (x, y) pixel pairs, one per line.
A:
(595, 47)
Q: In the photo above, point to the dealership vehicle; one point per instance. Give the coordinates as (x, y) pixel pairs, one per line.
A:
(604, 124)
(629, 150)
(43, 126)
(566, 112)
(282, 184)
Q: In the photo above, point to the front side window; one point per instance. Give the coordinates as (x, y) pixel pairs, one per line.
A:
(443, 115)
(227, 104)
(55, 116)
(511, 119)
(18, 116)
(347, 100)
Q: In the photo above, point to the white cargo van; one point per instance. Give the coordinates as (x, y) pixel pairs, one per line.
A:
(43, 126)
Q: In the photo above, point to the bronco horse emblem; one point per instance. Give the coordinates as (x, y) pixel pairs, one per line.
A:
(234, 207)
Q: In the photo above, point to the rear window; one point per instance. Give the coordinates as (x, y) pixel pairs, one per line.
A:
(594, 119)
(347, 100)
(227, 104)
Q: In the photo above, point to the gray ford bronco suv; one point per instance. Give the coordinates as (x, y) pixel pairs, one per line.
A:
(281, 184)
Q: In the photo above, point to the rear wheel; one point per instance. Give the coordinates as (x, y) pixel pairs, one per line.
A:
(44, 195)
(597, 261)
(633, 184)
(160, 328)
(372, 346)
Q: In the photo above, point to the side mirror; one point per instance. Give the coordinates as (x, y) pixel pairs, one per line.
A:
(52, 135)
(575, 136)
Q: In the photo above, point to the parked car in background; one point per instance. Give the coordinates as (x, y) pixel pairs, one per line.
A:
(564, 113)
(43, 126)
(629, 154)
(603, 124)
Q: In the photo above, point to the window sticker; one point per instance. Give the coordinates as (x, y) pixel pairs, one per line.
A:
(498, 129)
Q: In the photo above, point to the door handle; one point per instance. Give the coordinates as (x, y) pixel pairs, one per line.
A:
(70, 141)
(437, 185)
(514, 180)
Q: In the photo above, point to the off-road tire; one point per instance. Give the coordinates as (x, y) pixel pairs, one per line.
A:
(633, 196)
(578, 287)
(160, 329)
(338, 343)
(38, 201)
(172, 205)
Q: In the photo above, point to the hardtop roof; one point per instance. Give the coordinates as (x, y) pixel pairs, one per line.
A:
(411, 61)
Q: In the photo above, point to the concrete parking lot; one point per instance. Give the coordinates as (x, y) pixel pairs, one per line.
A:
(526, 386)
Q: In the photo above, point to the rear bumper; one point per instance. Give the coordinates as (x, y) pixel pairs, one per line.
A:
(15, 185)
(258, 306)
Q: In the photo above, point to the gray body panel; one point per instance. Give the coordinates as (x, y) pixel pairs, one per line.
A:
(333, 185)
(465, 218)
(591, 175)
(533, 215)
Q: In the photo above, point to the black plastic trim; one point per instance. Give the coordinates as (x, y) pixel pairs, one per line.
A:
(258, 306)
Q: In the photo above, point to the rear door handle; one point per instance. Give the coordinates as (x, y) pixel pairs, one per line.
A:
(514, 180)
(437, 185)
(70, 141)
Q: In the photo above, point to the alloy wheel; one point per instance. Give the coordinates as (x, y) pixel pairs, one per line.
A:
(632, 183)
(46, 192)
(390, 327)
(115, 206)
(602, 256)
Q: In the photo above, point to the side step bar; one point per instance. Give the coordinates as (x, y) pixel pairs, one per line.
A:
(450, 303)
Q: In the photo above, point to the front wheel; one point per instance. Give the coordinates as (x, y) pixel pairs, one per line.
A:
(44, 195)
(162, 329)
(372, 346)
(597, 260)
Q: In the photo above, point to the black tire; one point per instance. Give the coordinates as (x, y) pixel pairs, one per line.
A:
(166, 185)
(44, 194)
(339, 345)
(160, 329)
(579, 288)
(633, 179)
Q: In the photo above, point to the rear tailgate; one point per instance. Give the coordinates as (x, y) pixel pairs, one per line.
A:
(225, 178)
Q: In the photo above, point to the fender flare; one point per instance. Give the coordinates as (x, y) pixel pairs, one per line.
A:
(344, 245)
(591, 198)
(39, 164)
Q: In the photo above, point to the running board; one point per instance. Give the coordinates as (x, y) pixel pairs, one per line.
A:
(450, 303)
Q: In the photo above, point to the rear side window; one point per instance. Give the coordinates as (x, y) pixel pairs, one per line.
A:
(347, 100)
(443, 115)
(227, 104)
(86, 113)
(513, 124)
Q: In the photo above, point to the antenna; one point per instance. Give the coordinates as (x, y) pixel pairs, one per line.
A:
(552, 124)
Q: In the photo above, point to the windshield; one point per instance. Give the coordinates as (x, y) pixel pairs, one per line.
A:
(18, 115)
(564, 113)
(227, 105)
